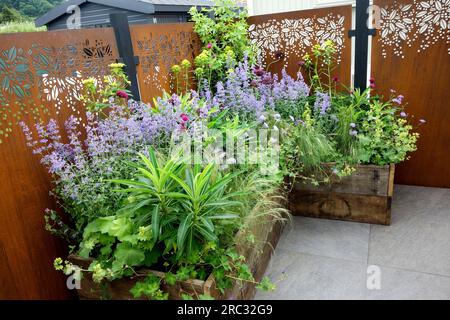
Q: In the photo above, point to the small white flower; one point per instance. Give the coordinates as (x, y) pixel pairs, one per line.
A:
(262, 118)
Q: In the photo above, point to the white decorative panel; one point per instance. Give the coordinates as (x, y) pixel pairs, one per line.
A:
(419, 22)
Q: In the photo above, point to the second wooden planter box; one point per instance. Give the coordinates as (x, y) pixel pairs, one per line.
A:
(257, 258)
(365, 196)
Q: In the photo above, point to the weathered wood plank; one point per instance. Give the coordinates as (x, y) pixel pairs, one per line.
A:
(341, 206)
(391, 180)
(366, 180)
(364, 197)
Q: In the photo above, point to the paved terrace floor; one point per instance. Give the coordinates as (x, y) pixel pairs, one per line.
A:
(324, 259)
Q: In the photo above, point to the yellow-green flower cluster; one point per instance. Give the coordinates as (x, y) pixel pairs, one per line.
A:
(203, 59)
(186, 64)
(176, 69)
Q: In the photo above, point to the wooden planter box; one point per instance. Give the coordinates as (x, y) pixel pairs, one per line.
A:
(366, 197)
(257, 259)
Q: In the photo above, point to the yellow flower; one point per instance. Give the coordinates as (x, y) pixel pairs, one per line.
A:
(199, 71)
(58, 264)
(89, 82)
(186, 64)
(117, 65)
(176, 69)
(307, 58)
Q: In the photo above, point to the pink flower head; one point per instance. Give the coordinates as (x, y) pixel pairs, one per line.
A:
(336, 79)
(122, 94)
(372, 80)
(209, 45)
(403, 114)
(372, 86)
(399, 99)
(301, 63)
(184, 117)
(423, 121)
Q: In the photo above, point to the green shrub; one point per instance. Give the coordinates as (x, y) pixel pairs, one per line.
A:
(223, 30)
(14, 27)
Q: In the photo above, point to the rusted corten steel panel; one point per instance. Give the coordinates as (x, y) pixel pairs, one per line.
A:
(411, 54)
(40, 79)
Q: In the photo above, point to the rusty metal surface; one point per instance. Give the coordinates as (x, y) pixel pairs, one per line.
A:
(293, 34)
(411, 55)
(40, 78)
(159, 47)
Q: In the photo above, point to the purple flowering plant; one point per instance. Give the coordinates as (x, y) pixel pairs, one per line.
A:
(82, 159)
(362, 126)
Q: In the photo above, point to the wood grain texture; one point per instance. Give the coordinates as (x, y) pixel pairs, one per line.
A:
(423, 78)
(366, 180)
(365, 197)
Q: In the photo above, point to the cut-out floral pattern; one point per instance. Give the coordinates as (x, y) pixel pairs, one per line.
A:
(425, 22)
(159, 52)
(295, 37)
(40, 78)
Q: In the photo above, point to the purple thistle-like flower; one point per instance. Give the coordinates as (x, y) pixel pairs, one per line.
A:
(267, 79)
(403, 114)
(258, 71)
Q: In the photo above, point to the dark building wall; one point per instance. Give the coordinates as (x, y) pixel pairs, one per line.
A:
(96, 15)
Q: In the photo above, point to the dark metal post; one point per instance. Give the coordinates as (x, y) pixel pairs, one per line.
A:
(361, 33)
(119, 22)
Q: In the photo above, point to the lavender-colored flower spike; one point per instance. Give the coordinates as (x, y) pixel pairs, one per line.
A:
(323, 103)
